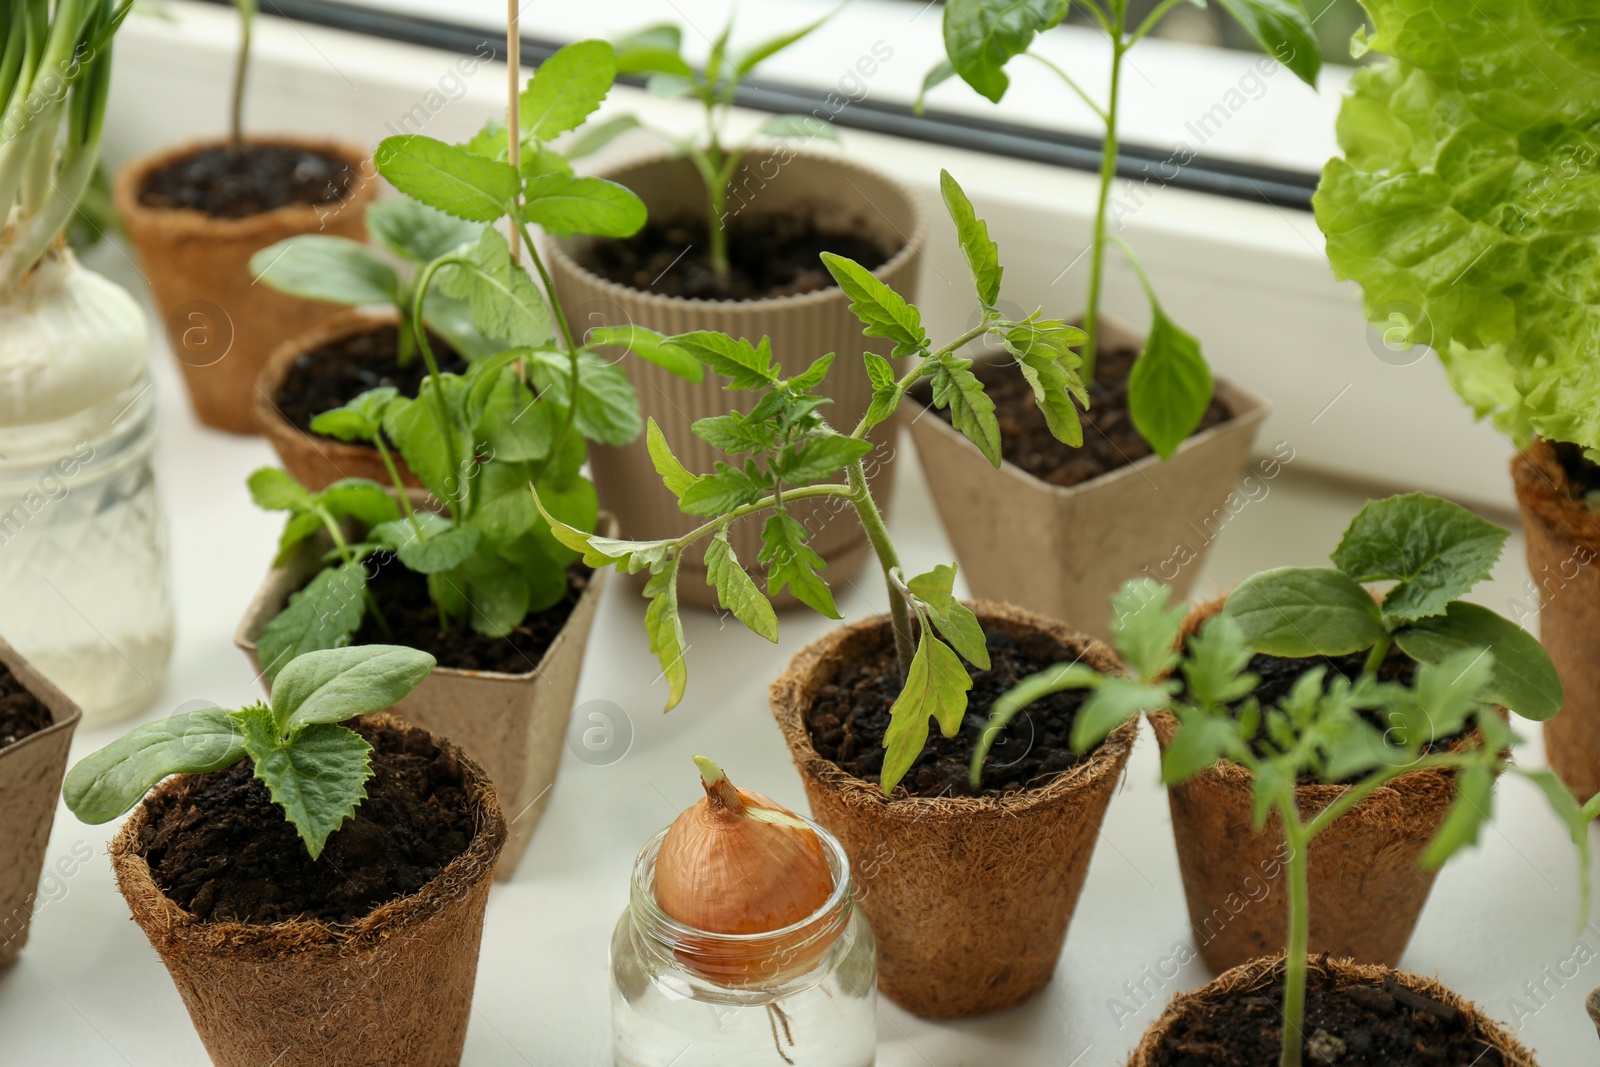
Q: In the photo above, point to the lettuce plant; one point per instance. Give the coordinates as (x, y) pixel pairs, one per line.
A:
(315, 769)
(657, 51)
(518, 418)
(1465, 203)
(783, 452)
(1324, 727)
(1170, 386)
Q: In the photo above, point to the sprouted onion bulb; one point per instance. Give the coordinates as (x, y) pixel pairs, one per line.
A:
(736, 862)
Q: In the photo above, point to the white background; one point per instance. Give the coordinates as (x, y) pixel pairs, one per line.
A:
(89, 991)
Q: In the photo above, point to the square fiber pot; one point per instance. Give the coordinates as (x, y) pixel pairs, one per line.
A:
(838, 193)
(1063, 552)
(513, 725)
(30, 784)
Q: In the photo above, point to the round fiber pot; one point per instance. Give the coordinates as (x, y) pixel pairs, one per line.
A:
(970, 897)
(394, 987)
(222, 324)
(317, 462)
(1563, 544)
(1368, 886)
(1401, 992)
(840, 196)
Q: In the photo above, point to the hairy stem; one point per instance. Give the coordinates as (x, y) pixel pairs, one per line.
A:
(1297, 839)
(916, 372)
(1108, 174)
(888, 559)
(1379, 653)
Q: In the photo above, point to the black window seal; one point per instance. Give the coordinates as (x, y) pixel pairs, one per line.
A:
(1151, 168)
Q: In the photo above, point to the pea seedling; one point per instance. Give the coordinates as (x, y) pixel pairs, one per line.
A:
(1170, 386)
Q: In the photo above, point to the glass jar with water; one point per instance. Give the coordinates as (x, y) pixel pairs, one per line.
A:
(802, 996)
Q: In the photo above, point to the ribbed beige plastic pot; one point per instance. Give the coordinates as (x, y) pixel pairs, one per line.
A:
(1257, 975)
(839, 194)
(1368, 885)
(317, 462)
(1063, 552)
(30, 783)
(514, 725)
(394, 987)
(969, 897)
(221, 324)
(1563, 552)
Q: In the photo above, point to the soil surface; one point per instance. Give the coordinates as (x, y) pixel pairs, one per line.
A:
(851, 714)
(333, 375)
(21, 713)
(779, 256)
(1278, 675)
(1109, 438)
(1348, 1025)
(236, 182)
(402, 596)
(225, 853)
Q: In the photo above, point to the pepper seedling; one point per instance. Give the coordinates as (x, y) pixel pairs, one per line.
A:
(517, 418)
(1170, 386)
(784, 452)
(1326, 726)
(657, 51)
(337, 270)
(315, 769)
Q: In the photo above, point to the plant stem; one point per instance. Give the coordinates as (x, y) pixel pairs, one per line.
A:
(562, 323)
(1108, 174)
(241, 70)
(916, 372)
(1294, 962)
(1379, 653)
(712, 164)
(399, 483)
(573, 354)
(888, 559)
(514, 114)
(425, 279)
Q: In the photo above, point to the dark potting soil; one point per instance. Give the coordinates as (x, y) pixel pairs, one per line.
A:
(334, 374)
(21, 713)
(778, 257)
(1347, 1025)
(851, 714)
(1582, 473)
(402, 597)
(1109, 438)
(235, 182)
(225, 853)
(1278, 675)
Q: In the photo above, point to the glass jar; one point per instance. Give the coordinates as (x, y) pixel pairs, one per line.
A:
(84, 592)
(804, 996)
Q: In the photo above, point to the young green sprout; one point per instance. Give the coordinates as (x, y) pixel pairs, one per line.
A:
(241, 70)
(1325, 727)
(783, 452)
(315, 769)
(657, 51)
(1170, 387)
(521, 414)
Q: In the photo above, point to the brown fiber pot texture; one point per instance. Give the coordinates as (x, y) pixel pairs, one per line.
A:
(969, 897)
(394, 987)
(317, 462)
(1063, 552)
(513, 725)
(1258, 974)
(776, 181)
(30, 783)
(1563, 545)
(222, 324)
(1368, 886)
